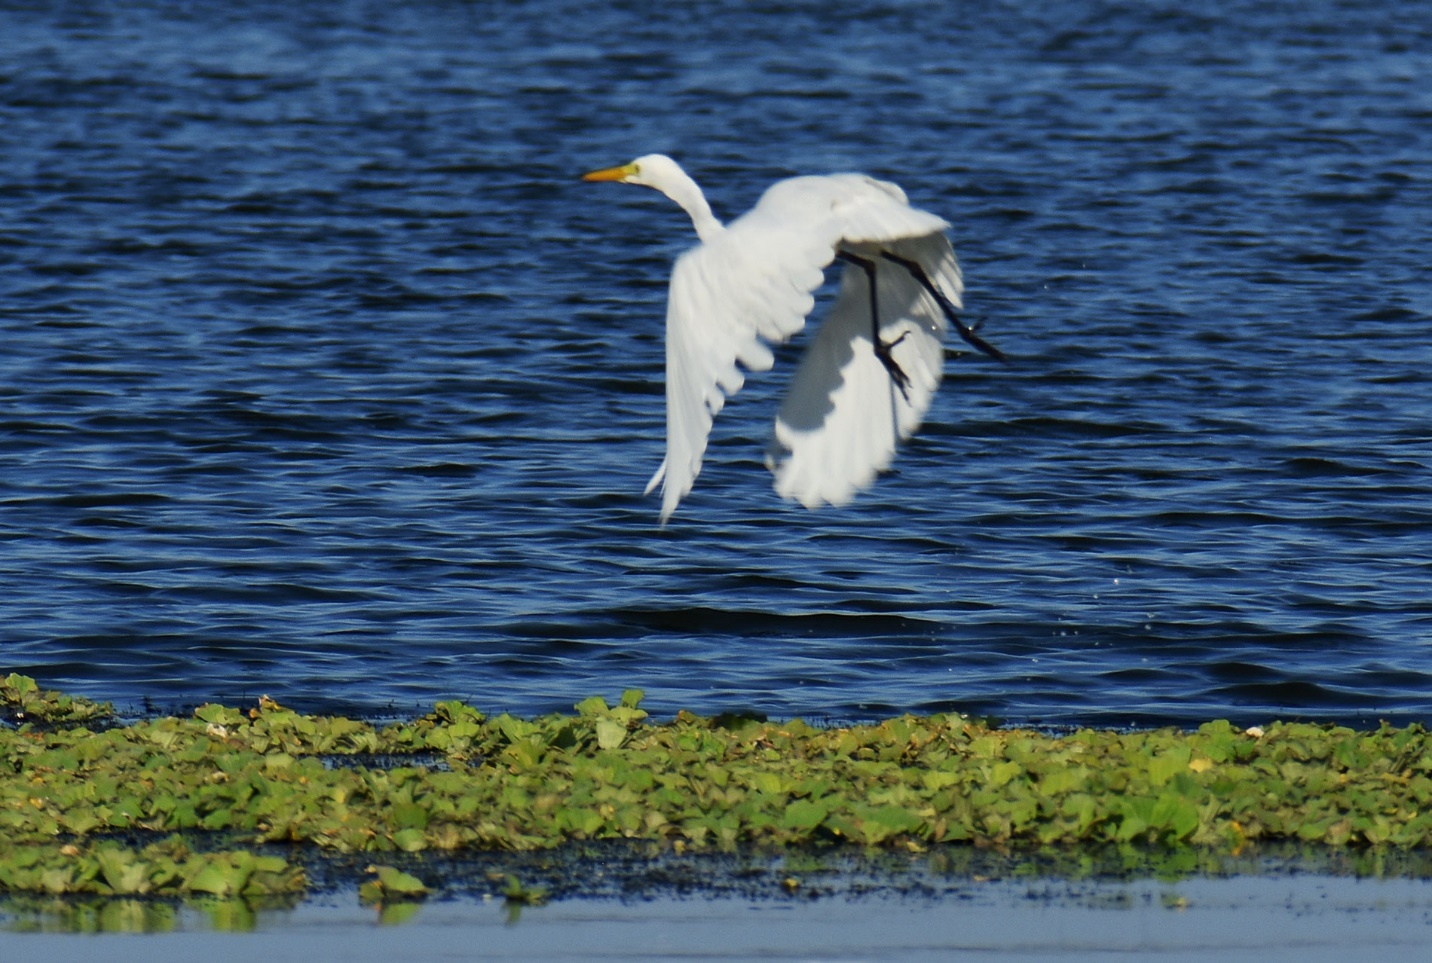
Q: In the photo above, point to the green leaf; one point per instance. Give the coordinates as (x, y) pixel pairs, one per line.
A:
(1002, 772)
(1061, 781)
(219, 715)
(1081, 807)
(514, 729)
(122, 871)
(878, 823)
(584, 822)
(394, 881)
(939, 779)
(214, 877)
(21, 685)
(410, 840)
(1169, 763)
(804, 815)
(410, 816)
(610, 734)
(595, 706)
(1175, 814)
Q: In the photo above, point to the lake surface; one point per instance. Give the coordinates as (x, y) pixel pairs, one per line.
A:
(322, 376)
(1303, 918)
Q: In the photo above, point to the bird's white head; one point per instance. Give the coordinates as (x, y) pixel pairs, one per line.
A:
(661, 173)
(650, 170)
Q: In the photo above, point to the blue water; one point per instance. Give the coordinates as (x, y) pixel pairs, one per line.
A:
(322, 376)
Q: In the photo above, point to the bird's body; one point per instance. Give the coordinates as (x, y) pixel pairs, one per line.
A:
(865, 381)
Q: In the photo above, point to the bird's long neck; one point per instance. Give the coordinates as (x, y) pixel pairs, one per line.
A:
(684, 191)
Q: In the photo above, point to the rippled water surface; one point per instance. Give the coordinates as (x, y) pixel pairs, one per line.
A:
(322, 376)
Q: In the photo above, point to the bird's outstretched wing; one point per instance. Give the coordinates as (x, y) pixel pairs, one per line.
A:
(750, 286)
(843, 415)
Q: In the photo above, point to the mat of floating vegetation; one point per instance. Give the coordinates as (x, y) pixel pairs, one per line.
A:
(243, 802)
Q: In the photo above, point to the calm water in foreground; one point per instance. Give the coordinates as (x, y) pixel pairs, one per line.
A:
(1298, 919)
(321, 376)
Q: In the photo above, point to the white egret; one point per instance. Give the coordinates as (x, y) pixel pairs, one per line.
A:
(865, 381)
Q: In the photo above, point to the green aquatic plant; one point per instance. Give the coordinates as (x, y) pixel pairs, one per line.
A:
(168, 867)
(125, 809)
(391, 885)
(24, 701)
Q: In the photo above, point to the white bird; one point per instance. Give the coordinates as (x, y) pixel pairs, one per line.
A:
(865, 381)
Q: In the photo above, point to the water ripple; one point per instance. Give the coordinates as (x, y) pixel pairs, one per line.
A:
(323, 378)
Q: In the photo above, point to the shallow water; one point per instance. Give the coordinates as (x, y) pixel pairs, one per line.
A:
(323, 377)
(1301, 919)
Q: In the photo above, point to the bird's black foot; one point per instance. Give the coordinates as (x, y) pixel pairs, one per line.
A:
(897, 373)
(882, 348)
(964, 330)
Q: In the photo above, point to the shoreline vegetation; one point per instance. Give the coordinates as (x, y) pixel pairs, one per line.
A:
(242, 806)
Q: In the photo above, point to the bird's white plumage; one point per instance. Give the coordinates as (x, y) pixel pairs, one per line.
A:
(843, 415)
(751, 285)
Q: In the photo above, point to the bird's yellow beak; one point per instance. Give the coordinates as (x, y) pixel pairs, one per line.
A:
(611, 173)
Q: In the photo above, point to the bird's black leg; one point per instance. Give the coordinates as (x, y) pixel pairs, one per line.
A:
(965, 330)
(882, 348)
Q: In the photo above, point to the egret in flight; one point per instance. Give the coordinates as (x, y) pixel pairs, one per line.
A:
(866, 379)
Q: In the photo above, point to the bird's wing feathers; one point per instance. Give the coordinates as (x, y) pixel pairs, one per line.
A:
(872, 210)
(751, 286)
(843, 415)
(727, 300)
